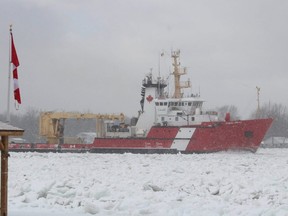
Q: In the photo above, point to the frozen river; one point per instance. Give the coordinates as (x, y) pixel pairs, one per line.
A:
(223, 183)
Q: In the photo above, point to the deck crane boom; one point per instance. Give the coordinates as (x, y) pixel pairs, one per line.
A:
(52, 124)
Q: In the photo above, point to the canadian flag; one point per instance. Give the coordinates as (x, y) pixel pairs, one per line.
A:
(15, 64)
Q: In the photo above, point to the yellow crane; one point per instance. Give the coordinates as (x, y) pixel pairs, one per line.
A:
(51, 124)
(178, 72)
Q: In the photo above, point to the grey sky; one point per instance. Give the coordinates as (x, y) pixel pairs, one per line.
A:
(92, 55)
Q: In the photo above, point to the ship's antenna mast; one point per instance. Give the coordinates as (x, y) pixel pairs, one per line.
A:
(159, 67)
(159, 72)
(178, 72)
(258, 99)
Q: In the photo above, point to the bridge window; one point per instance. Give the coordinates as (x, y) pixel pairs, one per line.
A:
(165, 103)
(192, 118)
(197, 103)
(157, 103)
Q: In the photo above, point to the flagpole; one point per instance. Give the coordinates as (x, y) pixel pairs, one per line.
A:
(9, 80)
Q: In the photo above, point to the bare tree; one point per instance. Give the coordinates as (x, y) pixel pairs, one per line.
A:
(28, 121)
(280, 118)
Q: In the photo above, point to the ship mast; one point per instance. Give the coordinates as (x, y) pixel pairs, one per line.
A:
(258, 99)
(178, 72)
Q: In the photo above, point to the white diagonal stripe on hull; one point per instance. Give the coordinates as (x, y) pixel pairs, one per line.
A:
(183, 138)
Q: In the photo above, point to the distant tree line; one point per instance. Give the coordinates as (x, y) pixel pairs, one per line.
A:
(29, 121)
(279, 113)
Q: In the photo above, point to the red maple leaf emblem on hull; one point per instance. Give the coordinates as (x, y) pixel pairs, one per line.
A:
(149, 98)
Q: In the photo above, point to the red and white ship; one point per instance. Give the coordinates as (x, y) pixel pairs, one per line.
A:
(170, 124)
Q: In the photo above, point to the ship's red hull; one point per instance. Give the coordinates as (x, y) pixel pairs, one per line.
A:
(207, 137)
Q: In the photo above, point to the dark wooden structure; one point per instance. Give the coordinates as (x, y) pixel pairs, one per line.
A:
(6, 130)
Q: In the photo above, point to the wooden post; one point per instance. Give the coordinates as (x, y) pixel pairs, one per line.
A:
(4, 175)
(6, 131)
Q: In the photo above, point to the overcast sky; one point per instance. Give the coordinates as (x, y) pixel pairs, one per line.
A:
(91, 55)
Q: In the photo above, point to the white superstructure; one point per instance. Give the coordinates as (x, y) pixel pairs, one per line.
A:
(159, 109)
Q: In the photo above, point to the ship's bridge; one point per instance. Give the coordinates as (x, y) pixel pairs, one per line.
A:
(181, 111)
(178, 105)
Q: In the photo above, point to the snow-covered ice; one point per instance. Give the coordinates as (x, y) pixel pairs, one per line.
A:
(223, 183)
